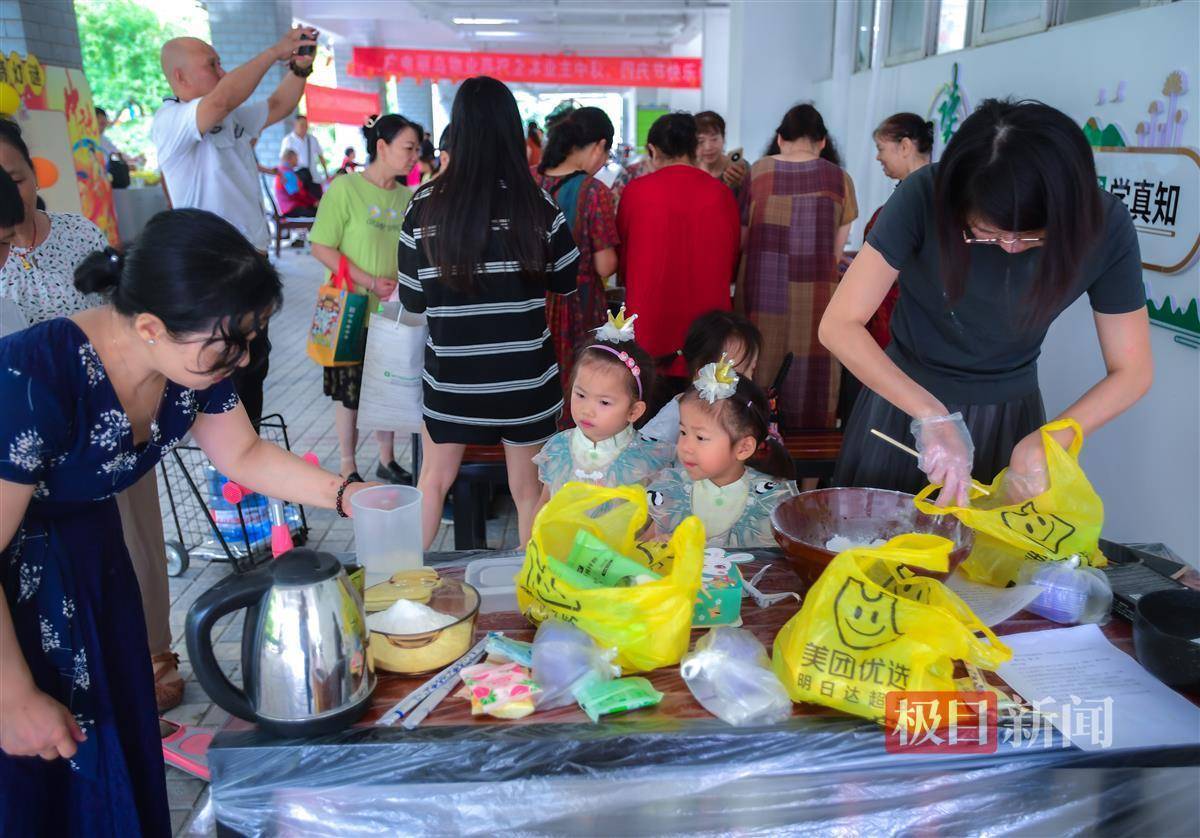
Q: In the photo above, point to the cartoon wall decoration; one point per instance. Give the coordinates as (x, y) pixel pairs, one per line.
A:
(1159, 181)
(53, 106)
(1167, 132)
(947, 110)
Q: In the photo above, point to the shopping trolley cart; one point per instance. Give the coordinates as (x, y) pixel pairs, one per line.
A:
(209, 526)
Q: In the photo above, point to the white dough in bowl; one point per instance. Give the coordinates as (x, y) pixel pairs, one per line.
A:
(841, 543)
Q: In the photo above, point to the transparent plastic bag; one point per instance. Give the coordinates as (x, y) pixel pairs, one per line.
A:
(1071, 593)
(730, 675)
(564, 658)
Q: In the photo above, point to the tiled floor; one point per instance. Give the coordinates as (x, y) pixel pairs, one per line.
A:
(293, 390)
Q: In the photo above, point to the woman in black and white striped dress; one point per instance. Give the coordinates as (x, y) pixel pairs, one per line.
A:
(480, 247)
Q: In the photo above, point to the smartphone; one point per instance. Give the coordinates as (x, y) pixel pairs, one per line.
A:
(735, 156)
(310, 49)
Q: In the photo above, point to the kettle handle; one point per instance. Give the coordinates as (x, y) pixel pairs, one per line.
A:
(234, 593)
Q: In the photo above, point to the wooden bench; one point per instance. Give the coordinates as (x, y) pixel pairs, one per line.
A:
(813, 452)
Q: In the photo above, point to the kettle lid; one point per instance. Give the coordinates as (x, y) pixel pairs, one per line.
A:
(303, 566)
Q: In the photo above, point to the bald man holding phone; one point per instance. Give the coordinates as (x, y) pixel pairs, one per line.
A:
(203, 135)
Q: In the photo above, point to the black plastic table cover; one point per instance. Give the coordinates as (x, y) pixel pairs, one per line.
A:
(818, 775)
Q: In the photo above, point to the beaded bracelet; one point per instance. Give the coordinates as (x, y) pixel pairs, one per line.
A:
(340, 493)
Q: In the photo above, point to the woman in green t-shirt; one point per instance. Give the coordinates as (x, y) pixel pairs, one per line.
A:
(359, 217)
(988, 246)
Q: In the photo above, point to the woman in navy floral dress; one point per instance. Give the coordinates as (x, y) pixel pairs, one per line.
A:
(90, 405)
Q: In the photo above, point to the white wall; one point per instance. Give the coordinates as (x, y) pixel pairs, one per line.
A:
(714, 92)
(1146, 464)
(777, 48)
(685, 99)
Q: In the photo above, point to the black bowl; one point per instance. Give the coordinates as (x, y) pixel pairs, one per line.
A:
(1166, 637)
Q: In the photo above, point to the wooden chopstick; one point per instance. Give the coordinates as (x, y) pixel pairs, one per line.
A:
(974, 484)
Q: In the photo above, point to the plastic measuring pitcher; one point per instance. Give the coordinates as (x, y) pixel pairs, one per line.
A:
(387, 530)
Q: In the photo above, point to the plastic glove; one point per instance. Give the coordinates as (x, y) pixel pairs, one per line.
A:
(1019, 487)
(1026, 476)
(946, 454)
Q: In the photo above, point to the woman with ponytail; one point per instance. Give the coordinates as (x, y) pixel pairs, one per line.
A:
(92, 404)
(359, 220)
(904, 143)
(38, 258)
(577, 148)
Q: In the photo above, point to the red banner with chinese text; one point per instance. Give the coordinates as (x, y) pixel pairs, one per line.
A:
(348, 107)
(515, 67)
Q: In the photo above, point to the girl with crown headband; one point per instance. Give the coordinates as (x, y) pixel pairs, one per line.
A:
(731, 473)
(610, 383)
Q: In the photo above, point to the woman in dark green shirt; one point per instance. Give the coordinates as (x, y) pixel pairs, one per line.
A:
(989, 246)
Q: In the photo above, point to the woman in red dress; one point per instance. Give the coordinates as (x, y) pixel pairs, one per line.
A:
(578, 148)
(680, 231)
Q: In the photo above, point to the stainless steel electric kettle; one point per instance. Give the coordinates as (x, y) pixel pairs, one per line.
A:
(305, 668)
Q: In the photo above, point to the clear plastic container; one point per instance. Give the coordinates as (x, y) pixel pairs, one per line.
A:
(1071, 594)
(387, 530)
(495, 579)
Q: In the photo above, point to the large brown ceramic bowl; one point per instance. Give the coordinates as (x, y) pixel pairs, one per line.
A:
(805, 523)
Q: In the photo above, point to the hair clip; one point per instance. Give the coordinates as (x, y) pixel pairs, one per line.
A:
(716, 380)
(618, 329)
(371, 120)
(625, 358)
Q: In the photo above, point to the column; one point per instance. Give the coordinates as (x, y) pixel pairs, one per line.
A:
(45, 28)
(241, 29)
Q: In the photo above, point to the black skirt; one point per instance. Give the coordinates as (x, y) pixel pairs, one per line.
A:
(343, 384)
(866, 460)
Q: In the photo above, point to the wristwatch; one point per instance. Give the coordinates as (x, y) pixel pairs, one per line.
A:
(302, 73)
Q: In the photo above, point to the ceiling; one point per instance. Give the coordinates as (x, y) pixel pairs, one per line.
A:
(615, 27)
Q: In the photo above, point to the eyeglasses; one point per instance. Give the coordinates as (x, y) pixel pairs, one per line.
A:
(1031, 240)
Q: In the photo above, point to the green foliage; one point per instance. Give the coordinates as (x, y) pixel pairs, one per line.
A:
(121, 41)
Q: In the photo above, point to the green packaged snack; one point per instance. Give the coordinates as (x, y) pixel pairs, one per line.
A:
(602, 698)
(572, 576)
(594, 559)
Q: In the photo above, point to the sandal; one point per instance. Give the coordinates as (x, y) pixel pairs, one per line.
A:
(168, 692)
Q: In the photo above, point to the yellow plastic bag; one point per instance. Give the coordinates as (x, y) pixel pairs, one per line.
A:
(868, 627)
(649, 624)
(1063, 521)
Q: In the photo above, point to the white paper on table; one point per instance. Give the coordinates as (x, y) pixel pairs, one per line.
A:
(1078, 670)
(992, 605)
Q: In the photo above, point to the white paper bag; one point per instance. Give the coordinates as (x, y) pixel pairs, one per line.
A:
(391, 399)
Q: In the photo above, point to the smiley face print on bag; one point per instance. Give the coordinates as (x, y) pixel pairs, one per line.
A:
(1045, 530)
(864, 620)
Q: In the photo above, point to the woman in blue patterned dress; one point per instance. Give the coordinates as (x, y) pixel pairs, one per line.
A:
(90, 404)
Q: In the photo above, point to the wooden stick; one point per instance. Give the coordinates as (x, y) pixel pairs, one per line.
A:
(977, 486)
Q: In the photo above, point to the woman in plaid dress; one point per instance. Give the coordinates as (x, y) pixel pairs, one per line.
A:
(796, 214)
